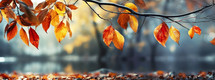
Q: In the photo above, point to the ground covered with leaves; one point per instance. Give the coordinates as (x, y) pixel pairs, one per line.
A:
(104, 75)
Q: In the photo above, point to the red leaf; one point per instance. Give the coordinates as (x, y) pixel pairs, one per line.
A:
(108, 35)
(213, 41)
(161, 33)
(4, 3)
(34, 38)
(197, 30)
(12, 30)
(72, 7)
(42, 14)
(123, 20)
(46, 22)
(24, 36)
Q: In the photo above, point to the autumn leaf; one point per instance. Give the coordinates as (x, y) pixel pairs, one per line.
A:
(30, 16)
(42, 14)
(23, 21)
(197, 30)
(60, 8)
(54, 18)
(9, 12)
(190, 5)
(108, 35)
(4, 3)
(23, 36)
(131, 6)
(133, 23)
(1, 17)
(5, 29)
(69, 14)
(28, 2)
(72, 7)
(161, 33)
(4, 15)
(49, 2)
(41, 5)
(174, 34)
(12, 30)
(140, 3)
(123, 20)
(213, 41)
(46, 22)
(60, 31)
(34, 38)
(68, 28)
(118, 40)
(191, 33)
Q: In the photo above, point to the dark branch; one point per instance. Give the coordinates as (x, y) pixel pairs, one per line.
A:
(148, 14)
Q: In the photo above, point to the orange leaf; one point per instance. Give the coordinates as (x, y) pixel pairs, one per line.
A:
(118, 40)
(49, 2)
(161, 33)
(42, 14)
(69, 14)
(46, 22)
(68, 28)
(213, 41)
(131, 6)
(72, 7)
(12, 30)
(191, 33)
(123, 20)
(190, 5)
(60, 31)
(28, 2)
(29, 15)
(174, 34)
(133, 23)
(197, 30)
(5, 29)
(41, 5)
(160, 73)
(140, 3)
(34, 38)
(108, 35)
(5, 3)
(1, 17)
(24, 36)
(60, 8)
(54, 18)
(9, 12)
(4, 15)
(23, 21)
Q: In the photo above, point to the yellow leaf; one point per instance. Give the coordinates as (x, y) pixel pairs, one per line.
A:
(161, 33)
(174, 34)
(191, 33)
(60, 31)
(118, 40)
(23, 36)
(60, 8)
(131, 6)
(54, 18)
(133, 23)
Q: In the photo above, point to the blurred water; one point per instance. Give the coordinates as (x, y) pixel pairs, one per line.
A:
(166, 63)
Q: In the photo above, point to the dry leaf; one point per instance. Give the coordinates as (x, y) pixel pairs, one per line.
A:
(213, 41)
(60, 31)
(191, 33)
(5, 3)
(34, 38)
(123, 20)
(9, 12)
(133, 23)
(72, 7)
(42, 14)
(197, 30)
(140, 3)
(12, 30)
(118, 40)
(174, 34)
(108, 35)
(28, 2)
(1, 17)
(131, 6)
(69, 14)
(68, 28)
(23, 21)
(41, 5)
(23, 36)
(60, 8)
(46, 22)
(161, 33)
(54, 18)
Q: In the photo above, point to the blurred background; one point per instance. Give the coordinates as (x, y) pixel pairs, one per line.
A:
(86, 51)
